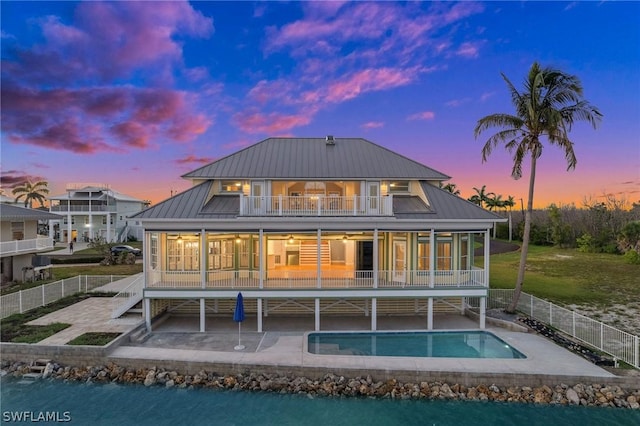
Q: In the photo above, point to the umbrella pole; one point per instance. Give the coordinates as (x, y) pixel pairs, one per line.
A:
(240, 346)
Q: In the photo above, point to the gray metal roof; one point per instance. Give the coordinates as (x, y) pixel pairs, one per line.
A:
(103, 194)
(11, 212)
(445, 206)
(314, 158)
(185, 205)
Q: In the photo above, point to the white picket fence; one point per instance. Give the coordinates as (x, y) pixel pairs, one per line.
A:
(24, 300)
(617, 343)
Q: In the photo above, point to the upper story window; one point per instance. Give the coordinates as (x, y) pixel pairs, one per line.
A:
(399, 186)
(17, 230)
(231, 186)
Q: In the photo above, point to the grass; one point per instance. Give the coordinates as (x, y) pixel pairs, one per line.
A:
(568, 276)
(94, 339)
(14, 328)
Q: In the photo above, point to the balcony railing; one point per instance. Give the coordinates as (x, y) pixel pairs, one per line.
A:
(83, 208)
(334, 280)
(316, 205)
(32, 245)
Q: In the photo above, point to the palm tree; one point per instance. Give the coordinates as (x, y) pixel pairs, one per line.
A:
(510, 202)
(450, 187)
(481, 196)
(547, 108)
(31, 191)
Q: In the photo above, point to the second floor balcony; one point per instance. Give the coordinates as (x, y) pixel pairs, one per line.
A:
(316, 205)
(83, 208)
(33, 245)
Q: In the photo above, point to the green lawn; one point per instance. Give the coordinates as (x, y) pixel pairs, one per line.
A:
(569, 276)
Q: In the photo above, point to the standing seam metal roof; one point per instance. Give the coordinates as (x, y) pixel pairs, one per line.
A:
(314, 158)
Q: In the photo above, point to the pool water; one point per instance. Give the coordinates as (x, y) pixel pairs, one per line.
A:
(438, 344)
(112, 404)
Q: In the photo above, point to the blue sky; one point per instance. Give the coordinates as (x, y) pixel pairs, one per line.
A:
(135, 94)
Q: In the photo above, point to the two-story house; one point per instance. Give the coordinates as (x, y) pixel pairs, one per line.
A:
(317, 227)
(93, 210)
(20, 243)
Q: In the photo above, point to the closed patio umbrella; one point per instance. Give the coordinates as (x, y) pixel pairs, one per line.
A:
(238, 316)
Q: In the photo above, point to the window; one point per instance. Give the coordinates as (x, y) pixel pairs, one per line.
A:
(399, 186)
(243, 253)
(17, 230)
(221, 253)
(182, 254)
(104, 220)
(231, 186)
(443, 255)
(153, 248)
(424, 260)
(464, 253)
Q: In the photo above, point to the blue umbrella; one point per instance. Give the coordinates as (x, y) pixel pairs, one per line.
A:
(238, 316)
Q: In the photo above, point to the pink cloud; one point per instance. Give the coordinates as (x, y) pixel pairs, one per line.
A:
(271, 123)
(368, 80)
(191, 159)
(372, 125)
(424, 115)
(11, 178)
(468, 50)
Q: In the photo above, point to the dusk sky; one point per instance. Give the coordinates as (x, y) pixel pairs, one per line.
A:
(135, 94)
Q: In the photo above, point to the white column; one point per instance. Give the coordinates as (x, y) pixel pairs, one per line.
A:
(483, 309)
(69, 237)
(147, 314)
(376, 267)
(202, 315)
(374, 314)
(90, 225)
(319, 258)
(203, 258)
(432, 258)
(259, 313)
(109, 239)
(261, 257)
(430, 313)
(317, 312)
(487, 253)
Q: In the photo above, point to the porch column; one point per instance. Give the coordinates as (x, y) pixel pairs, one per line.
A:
(69, 228)
(317, 311)
(319, 258)
(90, 225)
(147, 314)
(430, 313)
(483, 308)
(259, 314)
(108, 239)
(432, 259)
(487, 253)
(261, 262)
(376, 267)
(202, 315)
(374, 314)
(203, 259)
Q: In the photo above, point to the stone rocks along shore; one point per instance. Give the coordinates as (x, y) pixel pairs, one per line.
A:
(332, 385)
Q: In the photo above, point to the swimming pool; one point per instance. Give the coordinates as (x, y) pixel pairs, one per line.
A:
(438, 344)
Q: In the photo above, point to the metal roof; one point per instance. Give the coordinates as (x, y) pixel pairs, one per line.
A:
(185, 205)
(11, 212)
(446, 205)
(83, 194)
(316, 158)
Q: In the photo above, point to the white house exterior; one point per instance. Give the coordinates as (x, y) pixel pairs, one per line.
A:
(316, 227)
(92, 210)
(20, 243)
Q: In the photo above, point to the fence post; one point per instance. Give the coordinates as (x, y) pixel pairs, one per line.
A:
(601, 335)
(573, 325)
(637, 352)
(62, 294)
(20, 300)
(531, 304)
(550, 313)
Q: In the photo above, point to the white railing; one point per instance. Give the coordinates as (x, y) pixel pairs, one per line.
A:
(82, 208)
(328, 279)
(316, 205)
(128, 297)
(26, 246)
(24, 300)
(617, 343)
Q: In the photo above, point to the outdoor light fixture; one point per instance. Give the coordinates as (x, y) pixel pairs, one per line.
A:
(238, 239)
(179, 237)
(290, 239)
(344, 239)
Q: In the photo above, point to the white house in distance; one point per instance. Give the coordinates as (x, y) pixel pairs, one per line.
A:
(314, 227)
(90, 210)
(20, 243)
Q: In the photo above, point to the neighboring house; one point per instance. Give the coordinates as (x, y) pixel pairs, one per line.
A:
(20, 243)
(94, 210)
(315, 227)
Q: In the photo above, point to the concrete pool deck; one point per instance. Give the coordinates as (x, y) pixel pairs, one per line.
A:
(172, 340)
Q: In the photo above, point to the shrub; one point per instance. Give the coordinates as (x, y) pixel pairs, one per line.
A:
(632, 257)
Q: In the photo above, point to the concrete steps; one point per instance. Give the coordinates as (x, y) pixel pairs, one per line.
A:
(36, 370)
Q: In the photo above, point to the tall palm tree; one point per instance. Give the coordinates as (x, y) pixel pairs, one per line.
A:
(481, 196)
(510, 202)
(549, 104)
(31, 191)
